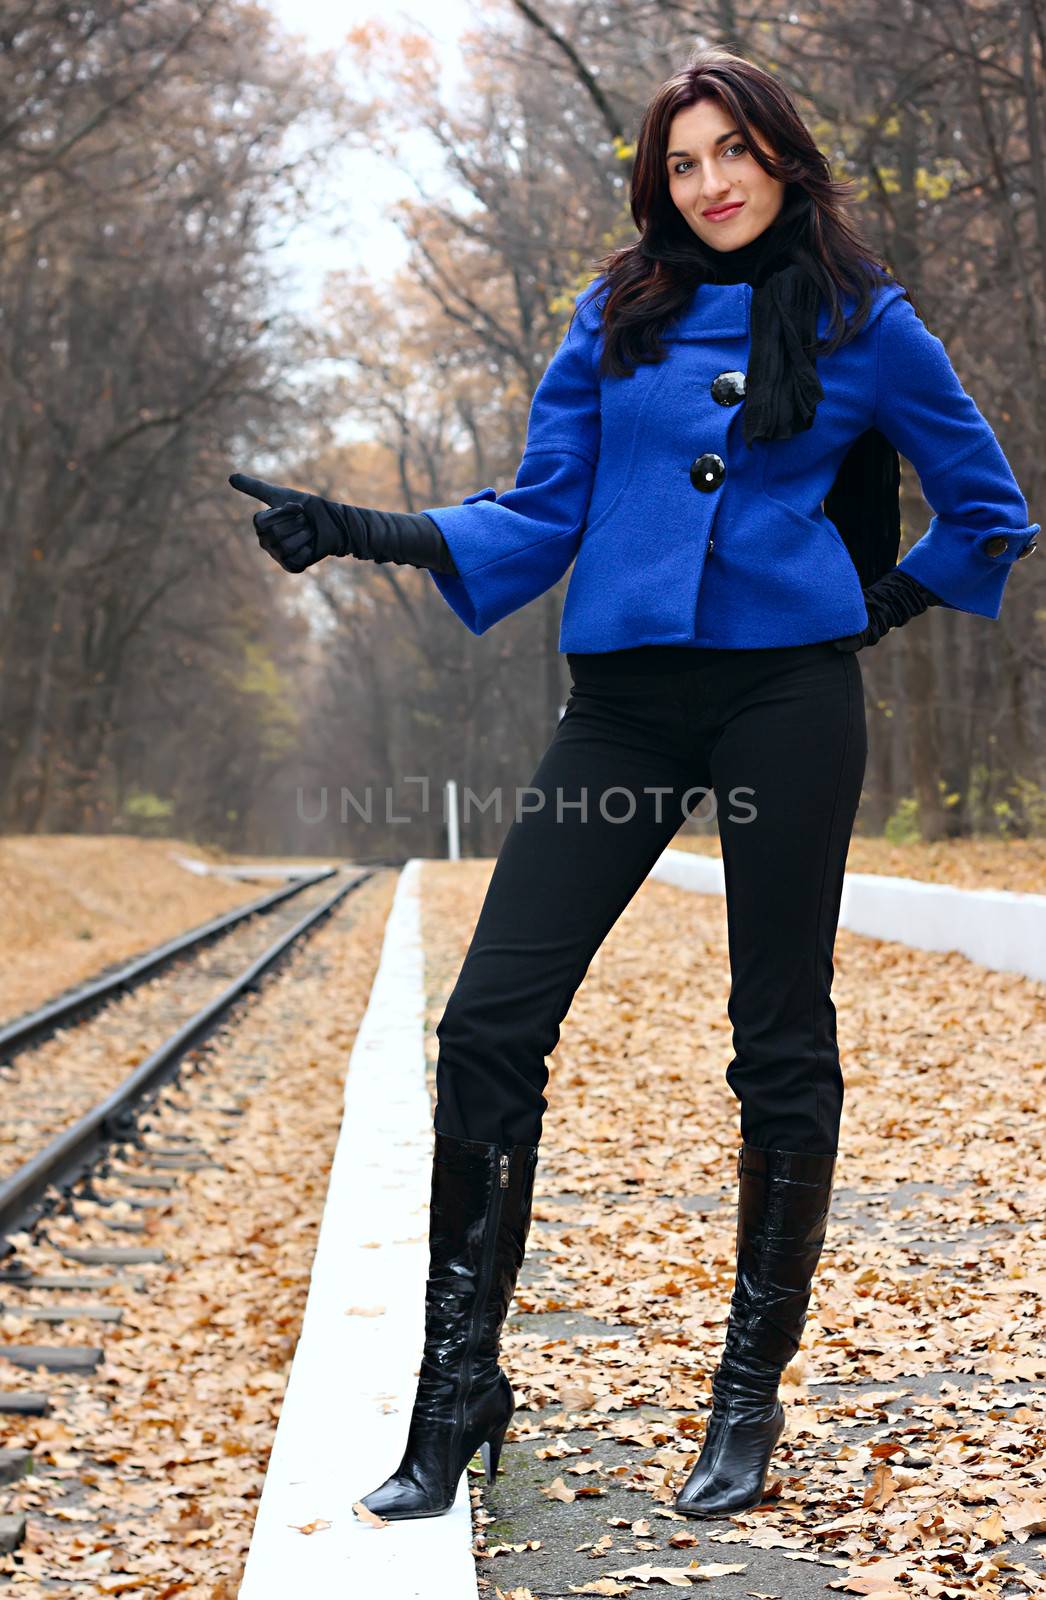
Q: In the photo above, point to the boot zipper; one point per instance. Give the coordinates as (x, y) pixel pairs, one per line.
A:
(486, 1264)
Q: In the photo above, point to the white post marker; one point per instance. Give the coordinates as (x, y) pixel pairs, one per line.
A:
(344, 1418)
(453, 838)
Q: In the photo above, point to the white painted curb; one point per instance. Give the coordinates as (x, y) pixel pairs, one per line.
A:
(995, 927)
(334, 1441)
(687, 870)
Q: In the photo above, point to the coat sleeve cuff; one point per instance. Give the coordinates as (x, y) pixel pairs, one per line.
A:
(508, 549)
(968, 571)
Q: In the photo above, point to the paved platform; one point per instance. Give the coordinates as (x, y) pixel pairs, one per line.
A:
(567, 1534)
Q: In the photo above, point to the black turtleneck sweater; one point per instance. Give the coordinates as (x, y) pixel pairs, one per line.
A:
(742, 264)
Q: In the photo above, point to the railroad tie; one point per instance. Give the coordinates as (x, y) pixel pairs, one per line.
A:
(55, 1357)
(14, 1464)
(12, 1532)
(24, 1403)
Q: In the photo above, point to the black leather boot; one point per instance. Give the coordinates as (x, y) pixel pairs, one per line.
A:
(782, 1213)
(479, 1219)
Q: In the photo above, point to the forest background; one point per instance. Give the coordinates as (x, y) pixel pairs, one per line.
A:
(158, 673)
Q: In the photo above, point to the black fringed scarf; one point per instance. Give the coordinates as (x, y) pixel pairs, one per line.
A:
(782, 388)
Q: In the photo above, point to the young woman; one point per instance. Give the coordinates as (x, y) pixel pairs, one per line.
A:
(714, 446)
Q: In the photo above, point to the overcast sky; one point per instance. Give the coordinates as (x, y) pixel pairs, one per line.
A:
(361, 184)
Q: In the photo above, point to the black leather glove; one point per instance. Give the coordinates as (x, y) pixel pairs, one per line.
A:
(299, 529)
(892, 600)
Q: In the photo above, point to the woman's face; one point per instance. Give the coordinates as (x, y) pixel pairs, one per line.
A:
(710, 165)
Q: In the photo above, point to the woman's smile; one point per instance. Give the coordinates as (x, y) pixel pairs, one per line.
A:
(722, 213)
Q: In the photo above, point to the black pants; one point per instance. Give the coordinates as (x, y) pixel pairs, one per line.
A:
(773, 743)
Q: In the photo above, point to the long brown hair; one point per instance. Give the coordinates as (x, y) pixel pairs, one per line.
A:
(651, 280)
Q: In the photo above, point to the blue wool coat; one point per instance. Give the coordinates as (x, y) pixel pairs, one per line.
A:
(680, 533)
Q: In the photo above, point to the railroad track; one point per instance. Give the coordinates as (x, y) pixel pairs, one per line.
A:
(82, 999)
(107, 1143)
(74, 1141)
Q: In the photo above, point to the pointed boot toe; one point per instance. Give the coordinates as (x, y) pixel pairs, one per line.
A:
(730, 1474)
(401, 1497)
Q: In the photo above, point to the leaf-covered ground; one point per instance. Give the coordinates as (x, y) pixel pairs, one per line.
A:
(914, 1461)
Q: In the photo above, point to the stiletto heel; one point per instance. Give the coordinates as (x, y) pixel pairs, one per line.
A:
(490, 1452)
